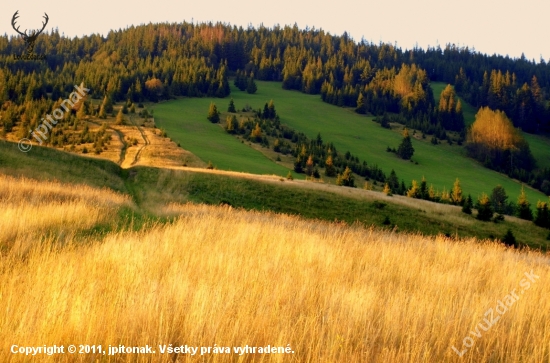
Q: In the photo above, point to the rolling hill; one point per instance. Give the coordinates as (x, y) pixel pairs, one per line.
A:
(185, 121)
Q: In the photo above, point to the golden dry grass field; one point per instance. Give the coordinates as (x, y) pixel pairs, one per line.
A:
(222, 277)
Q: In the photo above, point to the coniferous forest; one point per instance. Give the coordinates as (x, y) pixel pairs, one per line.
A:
(162, 61)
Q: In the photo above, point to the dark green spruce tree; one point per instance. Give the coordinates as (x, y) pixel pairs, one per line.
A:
(509, 239)
(251, 86)
(231, 107)
(405, 150)
(468, 204)
(543, 216)
(484, 208)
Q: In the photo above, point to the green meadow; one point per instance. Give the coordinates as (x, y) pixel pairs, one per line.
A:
(185, 122)
(540, 147)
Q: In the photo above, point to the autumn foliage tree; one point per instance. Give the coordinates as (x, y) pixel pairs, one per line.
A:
(213, 114)
(81, 114)
(107, 104)
(309, 166)
(102, 113)
(449, 113)
(256, 134)
(346, 179)
(493, 140)
(154, 88)
(523, 210)
(494, 130)
(387, 189)
(330, 170)
(119, 118)
(456, 193)
(231, 124)
(361, 107)
(414, 191)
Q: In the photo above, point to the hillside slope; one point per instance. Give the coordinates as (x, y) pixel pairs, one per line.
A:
(222, 277)
(440, 164)
(151, 189)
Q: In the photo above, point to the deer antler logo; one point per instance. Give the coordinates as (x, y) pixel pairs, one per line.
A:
(30, 39)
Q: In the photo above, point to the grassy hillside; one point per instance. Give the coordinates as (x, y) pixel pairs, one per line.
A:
(185, 121)
(35, 210)
(218, 276)
(540, 147)
(153, 188)
(50, 164)
(330, 202)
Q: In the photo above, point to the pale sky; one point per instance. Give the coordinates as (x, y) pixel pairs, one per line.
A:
(491, 26)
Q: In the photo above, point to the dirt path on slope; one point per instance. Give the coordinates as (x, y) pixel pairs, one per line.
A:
(145, 140)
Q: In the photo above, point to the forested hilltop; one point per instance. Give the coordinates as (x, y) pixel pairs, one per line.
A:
(193, 60)
(162, 61)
